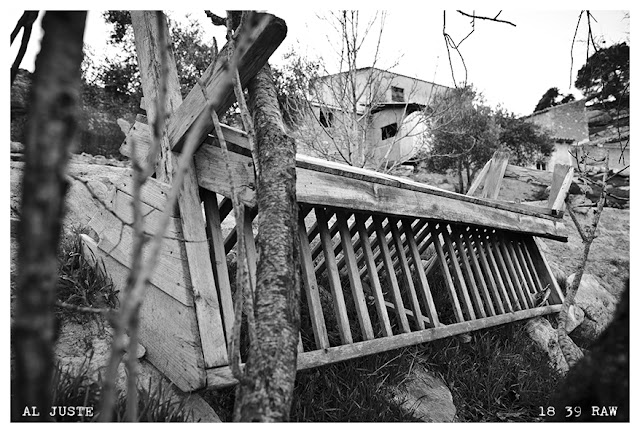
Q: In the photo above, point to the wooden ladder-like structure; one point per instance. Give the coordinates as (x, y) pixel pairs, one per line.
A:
(386, 262)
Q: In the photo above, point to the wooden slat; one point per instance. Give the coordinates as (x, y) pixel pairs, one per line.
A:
(484, 290)
(525, 268)
(222, 377)
(311, 289)
(495, 174)
(354, 277)
(250, 247)
(391, 275)
(219, 259)
(544, 270)
(490, 268)
(232, 236)
(479, 180)
(502, 267)
(562, 178)
(524, 282)
(466, 301)
(447, 275)
(423, 284)
(534, 273)
(153, 193)
(374, 279)
(529, 175)
(339, 306)
(226, 206)
(406, 272)
(516, 278)
(468, 273)
(380, 195)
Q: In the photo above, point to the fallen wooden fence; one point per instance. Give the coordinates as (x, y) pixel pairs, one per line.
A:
(386, 262)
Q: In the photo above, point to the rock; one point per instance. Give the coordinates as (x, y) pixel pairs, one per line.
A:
(427, 397)
(574, 318)
(598, 305)
(546, 337)
(560, 276)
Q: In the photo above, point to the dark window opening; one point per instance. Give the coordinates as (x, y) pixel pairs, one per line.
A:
(397, 94)
(389, 131)
(541, 165)
(326, 118)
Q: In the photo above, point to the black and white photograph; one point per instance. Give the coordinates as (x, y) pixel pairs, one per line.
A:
(390, 213)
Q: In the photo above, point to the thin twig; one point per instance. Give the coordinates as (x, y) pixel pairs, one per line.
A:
(86, 310)
(27, 20)
(494, 19)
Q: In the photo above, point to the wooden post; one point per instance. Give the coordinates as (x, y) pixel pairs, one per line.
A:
(562, 178)
(495, 174)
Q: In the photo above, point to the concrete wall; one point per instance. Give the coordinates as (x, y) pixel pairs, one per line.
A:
(567, 121)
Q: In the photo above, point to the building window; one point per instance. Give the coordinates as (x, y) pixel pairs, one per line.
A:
(389, 131)
(326, 118)
(541, 165)
(397, 94)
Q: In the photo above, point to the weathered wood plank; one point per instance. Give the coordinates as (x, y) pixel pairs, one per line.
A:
(374, 279)
(544, 270)
(479, 180)
(354, 277)
(451, 289)
(488, 262)
(168, 329)
(502, 267)
(531, 266)
(468, 273)
(502, 244)
(311, 289)
(222, 377)
(250, 248)
(491, 188)
(339, 306)
(219, 259)
(406, 272)
(562, 178)
(524, 282)
(423, 284)
(529, 175)
(464, 291)
(484, 290)
(525, 269)
(391, 275)
(153, 193)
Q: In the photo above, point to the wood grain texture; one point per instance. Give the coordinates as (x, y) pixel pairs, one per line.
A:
(457, 272)
(488, 261)
(468, 274)
(493, 180)
(477, 270)
(451, 290)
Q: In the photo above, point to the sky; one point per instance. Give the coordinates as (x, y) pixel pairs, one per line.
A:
(511, 66)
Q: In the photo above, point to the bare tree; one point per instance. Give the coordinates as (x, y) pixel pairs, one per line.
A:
(51, 131)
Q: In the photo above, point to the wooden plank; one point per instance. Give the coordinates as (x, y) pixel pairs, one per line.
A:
(219, 259)
(479, 180)
(529, 175)
(222, 377)
(226, 206)
(524, 282)
(311, 288)
(354, 277)
(172, 338)
(250, 248)
(406, 272)
(122, 206)
(258, 45)
(490, 267)
(517, 279)
(562, 178)
(484, 290)
(116, 240)
(391, 275)
(534, 273)
(468, 273)
(494, 177)
(525, 269)
(466, 301)
(447, 275)
(374, 279)
(153, 193)
(392, 197)
(232, 236)
(502, 268)
(339, 306)
(423, 284)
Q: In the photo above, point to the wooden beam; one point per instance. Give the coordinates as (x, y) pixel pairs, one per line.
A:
(473, 256)
(488, 262)
(479, 180)
(451, 288)
(562, 178)
(466, 300)
(222, 377)
(493, 180)
(468, 273)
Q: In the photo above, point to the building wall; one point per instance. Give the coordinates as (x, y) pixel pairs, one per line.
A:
(567, 121)
(411, 135)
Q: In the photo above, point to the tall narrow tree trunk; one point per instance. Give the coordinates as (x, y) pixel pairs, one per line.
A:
(51, 130)
(270, 370)
(460, 179)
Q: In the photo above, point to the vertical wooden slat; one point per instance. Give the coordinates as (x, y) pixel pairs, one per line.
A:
(494, 177)
(562, 178)
(493, 272)
(524, 283)
(219, 258)
(500, 242)
(479, 180)
(466, 268)
(311, 289)
(458, 273)
(503, 269)
(250, 247)
(525, 267)
(447, 275)
(473, 256)
(333, 277)
(391, 275)
(406, 273)
(374, 279)
(531, 266)
(226, 206)
(354, 277)
(423, 284)
(544, 270)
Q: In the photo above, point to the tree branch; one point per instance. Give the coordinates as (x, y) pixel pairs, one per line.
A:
(479, 17)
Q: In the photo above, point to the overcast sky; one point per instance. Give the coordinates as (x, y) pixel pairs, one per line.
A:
(512, 66)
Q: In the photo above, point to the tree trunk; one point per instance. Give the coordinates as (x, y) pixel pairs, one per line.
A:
(51, 129)
(270, 370)
(460, 179)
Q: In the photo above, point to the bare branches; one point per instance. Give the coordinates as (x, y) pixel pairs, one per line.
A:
(590, 39)
(479, 17)
(25, 22)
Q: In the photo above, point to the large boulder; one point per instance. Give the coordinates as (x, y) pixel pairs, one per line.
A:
(598, 305)
(426, 397)
(546, 338)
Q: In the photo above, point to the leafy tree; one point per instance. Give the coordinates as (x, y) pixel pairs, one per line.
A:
(553, 97)
(465, 136)
(527, 142)
(605, 75)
